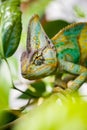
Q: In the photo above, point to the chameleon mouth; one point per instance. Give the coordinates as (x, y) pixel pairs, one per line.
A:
(40, 72)
(24, 75)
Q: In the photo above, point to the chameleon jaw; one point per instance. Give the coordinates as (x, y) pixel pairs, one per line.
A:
(39, 72)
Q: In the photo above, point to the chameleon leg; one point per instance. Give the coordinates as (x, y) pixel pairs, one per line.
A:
(62, 80)
(67, 77)
(75, 69)
(78, 82)
(60, 83)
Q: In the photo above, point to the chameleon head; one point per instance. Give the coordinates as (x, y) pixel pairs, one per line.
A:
(40, 58)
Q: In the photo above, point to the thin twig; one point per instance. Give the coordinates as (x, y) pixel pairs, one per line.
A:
(12, 79)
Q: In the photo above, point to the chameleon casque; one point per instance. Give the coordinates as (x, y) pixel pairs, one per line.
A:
(65, 53)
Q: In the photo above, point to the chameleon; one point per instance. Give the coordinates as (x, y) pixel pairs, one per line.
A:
(64, 55)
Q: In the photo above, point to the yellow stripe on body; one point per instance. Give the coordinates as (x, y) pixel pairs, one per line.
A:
(82, 41)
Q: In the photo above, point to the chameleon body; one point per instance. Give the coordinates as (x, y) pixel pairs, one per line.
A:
(65, 53)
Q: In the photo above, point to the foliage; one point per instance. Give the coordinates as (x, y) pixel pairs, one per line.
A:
(53, 27)
(56, 113)
(79, 12)
(9, 40)
(10, 22)
(5, 85)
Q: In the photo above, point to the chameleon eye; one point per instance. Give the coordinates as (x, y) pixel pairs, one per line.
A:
(39, 61)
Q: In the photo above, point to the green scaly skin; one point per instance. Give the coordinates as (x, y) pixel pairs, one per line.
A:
(65, 53)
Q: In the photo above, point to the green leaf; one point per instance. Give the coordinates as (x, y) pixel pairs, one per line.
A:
(11, 26)
(1, 47)
(6, 117)
(3, 0)
(26, 95)
(53, 27)
(0, 56)
(56, 114)
(5, 85)
(79, 11)
(35, 90)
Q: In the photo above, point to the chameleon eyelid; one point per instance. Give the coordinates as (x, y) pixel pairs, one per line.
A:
(32, 53)
(39, 61)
